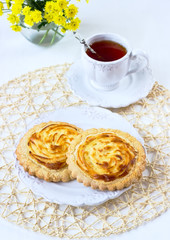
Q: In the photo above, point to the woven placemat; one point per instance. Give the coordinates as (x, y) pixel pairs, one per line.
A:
(24, 99)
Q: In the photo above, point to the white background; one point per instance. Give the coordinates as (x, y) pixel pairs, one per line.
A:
(145, 23)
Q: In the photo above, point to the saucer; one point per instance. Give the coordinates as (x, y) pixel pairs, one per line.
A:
(130, 89)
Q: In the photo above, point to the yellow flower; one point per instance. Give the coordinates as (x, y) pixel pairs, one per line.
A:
(63, 30)
(74, 24)
(13, 18)
(18, 1)
(26, 10)
(16, 28)
(48, 17)
(29, 20)
(8, 3)
(64, 27)
(16, 8)
(62, 3)
(59, 20)
(71, 11)
(49, 6)
(32, 17)
(36, 16)
(52, 8)
(1, 7)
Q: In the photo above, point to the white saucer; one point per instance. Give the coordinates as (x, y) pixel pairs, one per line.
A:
(74, 193)
(131, 88)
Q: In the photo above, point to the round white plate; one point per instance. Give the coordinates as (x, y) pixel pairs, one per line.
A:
(131, 88)
(74, 193)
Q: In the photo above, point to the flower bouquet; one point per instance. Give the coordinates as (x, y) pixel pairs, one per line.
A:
(57, 16)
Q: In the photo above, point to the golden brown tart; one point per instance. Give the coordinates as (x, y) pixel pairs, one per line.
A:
(106, 159)
(42, 151)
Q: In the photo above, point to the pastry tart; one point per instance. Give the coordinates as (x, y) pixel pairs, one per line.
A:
(42, 151)
(106, 159)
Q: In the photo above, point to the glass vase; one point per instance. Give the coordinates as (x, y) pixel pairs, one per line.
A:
(46, 35)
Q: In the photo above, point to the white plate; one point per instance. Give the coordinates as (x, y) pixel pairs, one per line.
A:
(131, 88)
(74, 193)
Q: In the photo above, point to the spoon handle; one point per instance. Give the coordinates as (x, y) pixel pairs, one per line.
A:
(82, 41)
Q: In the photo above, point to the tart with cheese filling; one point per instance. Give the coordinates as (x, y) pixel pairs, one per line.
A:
(106, 159)
(42, 151)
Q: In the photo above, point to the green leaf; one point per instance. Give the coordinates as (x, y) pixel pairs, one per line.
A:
(42, 24)
(33, 4)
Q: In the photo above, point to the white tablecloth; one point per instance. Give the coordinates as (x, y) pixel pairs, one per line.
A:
(144, 23)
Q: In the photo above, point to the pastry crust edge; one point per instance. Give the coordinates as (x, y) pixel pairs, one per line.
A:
(117, 184)
(38, 170)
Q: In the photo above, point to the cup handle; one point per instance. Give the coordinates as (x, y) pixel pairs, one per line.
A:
(138, 60)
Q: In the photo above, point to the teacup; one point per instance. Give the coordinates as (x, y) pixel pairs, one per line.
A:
(106, 75)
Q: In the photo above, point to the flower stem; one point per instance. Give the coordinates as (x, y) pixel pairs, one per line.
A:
(23, 26)
(56, 30)
(45, 35)
(55, 33)
(52, 40)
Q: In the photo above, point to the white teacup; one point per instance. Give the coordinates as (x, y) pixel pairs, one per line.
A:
(107, 75)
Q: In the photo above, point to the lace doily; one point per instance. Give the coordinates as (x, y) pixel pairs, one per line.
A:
(24, 99)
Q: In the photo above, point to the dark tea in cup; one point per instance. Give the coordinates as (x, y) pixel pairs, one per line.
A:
(107, 51)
